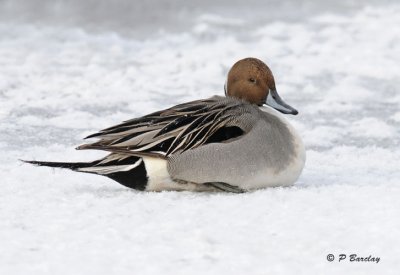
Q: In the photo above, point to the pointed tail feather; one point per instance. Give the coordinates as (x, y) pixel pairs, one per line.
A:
(68, 165)
(127, 170)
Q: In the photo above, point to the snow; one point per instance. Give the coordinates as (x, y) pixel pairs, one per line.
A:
(60, 81)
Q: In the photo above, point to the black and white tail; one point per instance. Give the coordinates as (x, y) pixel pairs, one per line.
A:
(128, 170)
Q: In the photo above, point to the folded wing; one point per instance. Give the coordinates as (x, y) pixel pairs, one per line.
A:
(178, 128)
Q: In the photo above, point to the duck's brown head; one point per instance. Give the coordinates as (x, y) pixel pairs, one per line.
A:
(250, 79)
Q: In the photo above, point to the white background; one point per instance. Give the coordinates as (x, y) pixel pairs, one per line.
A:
(68, 69)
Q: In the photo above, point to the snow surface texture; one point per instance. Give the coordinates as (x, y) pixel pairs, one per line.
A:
(59, 83)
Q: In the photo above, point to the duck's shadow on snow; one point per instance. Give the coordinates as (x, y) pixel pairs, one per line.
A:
(112, 191)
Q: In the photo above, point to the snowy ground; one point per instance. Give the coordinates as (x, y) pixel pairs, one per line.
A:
(339, 66)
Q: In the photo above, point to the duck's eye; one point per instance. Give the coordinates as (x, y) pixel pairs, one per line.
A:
(252, 80)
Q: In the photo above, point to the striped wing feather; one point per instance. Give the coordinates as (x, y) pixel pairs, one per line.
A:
(163, 133)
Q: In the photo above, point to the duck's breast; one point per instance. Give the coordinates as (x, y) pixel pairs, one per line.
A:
(285, 149)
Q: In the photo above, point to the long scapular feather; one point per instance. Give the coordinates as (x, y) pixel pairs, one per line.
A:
(180, 128)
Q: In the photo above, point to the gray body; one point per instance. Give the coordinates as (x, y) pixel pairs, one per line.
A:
(267, 149)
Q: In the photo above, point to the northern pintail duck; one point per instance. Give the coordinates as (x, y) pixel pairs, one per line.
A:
(235, 143)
